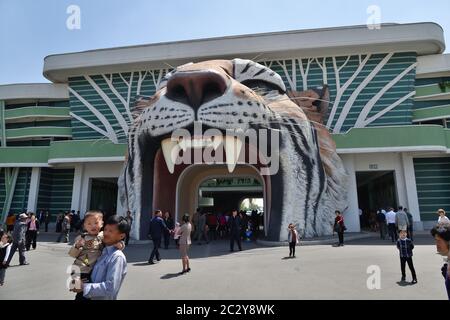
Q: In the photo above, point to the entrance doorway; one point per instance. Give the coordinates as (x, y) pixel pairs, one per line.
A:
(376, 190)
(214, 190)
(103, 195)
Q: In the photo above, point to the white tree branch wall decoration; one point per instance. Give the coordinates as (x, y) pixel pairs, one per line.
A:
(347, 77)
(133, 88)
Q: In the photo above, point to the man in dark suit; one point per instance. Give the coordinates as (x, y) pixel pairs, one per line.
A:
(157, 230)
(20, 229)
(235, 224)
(47, 219)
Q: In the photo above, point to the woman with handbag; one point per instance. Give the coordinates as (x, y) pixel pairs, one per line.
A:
(339, 227)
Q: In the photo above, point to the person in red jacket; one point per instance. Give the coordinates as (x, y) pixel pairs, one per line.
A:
(339, 227)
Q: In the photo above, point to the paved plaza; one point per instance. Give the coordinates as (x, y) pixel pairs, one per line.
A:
(318, 272)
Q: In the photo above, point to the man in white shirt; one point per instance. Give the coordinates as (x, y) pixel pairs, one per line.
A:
(390, 220)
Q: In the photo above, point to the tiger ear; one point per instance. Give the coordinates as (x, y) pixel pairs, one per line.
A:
(314, 102)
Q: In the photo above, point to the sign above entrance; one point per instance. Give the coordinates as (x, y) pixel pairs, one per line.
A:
(231, 182)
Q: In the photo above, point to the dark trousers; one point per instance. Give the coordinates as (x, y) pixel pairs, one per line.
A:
(403, 262)
(166, 240)
(127, 238)
(14, 247)
(382, 227)
(212, 233)
(85, 277)
(31, 237)
(292, 249)
(237, 238)
(393, 232)
(155, 252)
(410, 233)
(341, 237)
(46, 227)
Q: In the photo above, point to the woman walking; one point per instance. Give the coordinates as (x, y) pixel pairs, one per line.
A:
(339, 227)
(442, 217)
(185, 242)
(292, 239)
(32, 232)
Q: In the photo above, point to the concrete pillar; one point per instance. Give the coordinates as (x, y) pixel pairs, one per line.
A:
(77, 188)
(351, 215)
(411, 189)
(400, 181)
(34, 189)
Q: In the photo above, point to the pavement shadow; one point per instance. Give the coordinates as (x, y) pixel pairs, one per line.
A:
(140, 252)
(17, 265)
(419, 239)
(405, 283)
(141, 264)
(171, 275)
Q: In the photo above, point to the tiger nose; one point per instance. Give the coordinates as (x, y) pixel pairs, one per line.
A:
(196, 87)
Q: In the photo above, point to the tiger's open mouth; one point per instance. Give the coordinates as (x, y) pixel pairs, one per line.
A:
(213, 146)
(167, 157)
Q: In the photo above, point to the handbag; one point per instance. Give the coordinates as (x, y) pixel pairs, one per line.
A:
(336, 227)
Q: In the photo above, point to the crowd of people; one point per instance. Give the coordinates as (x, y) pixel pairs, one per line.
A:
(200, 226)
(100, 264)
(392, 221)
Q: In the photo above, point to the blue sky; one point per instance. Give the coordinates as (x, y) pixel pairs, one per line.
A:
(30, 30)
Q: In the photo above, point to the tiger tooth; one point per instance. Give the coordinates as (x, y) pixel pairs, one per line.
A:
(183, 144)
(170, 151)
(233, 147)
(216, 141)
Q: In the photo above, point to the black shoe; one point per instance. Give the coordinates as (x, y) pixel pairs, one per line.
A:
(188, 269)
(403, 279)
(150, 262)
(158, 259)
(414, 281)
(182, 272)
(231, 250)
(294, 256)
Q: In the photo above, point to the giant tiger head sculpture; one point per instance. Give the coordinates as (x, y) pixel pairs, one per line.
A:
(238, 94)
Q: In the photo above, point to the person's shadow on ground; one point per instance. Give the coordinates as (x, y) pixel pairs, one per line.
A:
(404, 283)
(171, 275)
(141, 264)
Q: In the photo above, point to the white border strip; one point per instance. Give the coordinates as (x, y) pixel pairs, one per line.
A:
(16, 164)
(93, 159)
(392, 149)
